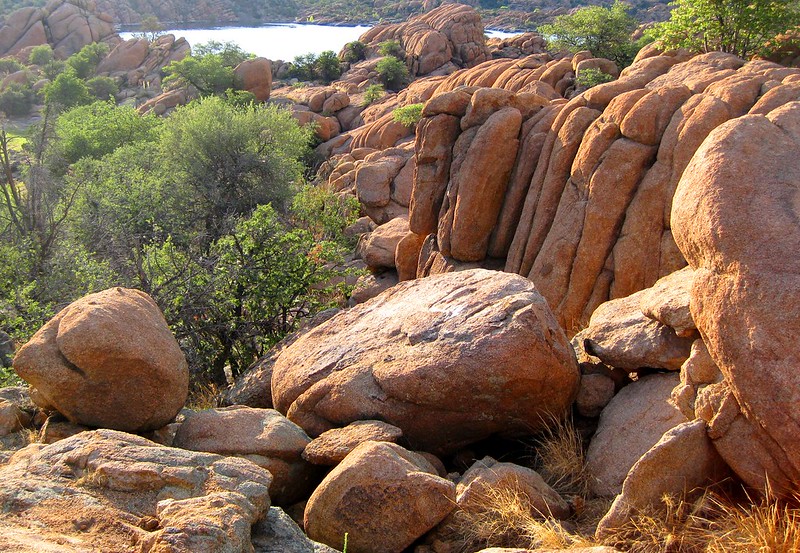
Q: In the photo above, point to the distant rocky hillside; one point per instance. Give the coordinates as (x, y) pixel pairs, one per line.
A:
(497, 14)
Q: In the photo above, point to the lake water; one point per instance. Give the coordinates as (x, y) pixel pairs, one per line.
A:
(282, 42)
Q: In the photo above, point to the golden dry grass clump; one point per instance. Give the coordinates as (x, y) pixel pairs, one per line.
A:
(708, 521)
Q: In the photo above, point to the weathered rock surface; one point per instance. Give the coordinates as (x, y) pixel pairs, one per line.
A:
(735, 218)
(449, 359)
(682, 461)
(108, 360)
(585, 206)
(452, 32)
(622, 336)
(629, 426)
(255, 76)
(111, 491)
(382, 496)
(278, 533)
(262, 436)
(332, 446)
(65, 25)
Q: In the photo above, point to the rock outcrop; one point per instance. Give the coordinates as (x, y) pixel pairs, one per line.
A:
(735, 217)
(585, 187)
(107, 360)
(65, 25)
(449, 34)
(262, 436)
(110, 491)
(449, 360)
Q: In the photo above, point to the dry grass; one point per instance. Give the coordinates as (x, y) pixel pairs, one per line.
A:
(715, 523)
(507, 519)
(203, 396)
(722, 520)
(561, 458)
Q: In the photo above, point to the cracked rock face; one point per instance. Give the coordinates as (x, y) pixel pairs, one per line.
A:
(449, 359)
(110, 491)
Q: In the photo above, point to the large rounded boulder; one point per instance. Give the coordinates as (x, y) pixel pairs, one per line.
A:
(108, 360)
(449, 359)
(736, 218)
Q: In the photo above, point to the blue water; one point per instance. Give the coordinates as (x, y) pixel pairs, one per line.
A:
(282, 42)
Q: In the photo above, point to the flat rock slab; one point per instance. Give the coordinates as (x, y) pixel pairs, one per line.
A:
(449, 359)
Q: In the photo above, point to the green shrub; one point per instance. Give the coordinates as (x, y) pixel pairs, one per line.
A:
(587, 78)
(391, 48)
(17, 99)
(10, 65)
(102, 88)
(66, 91)
(327, 67)
(354, 52)
(408, 115)
(41, 55)
(53, 69)
(373, 93)
(230, 53)
(239, 97)
(86, 60)
(302, 68)
(392, 72)
(606, 32)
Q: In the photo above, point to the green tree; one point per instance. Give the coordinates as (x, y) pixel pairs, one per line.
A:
(606, 32)
(98, 129)
(740, 27)
(230, 159)
(66, 91)
(354, 52)
(86, 60)
(17, 99)
(41, 55)
(230, 53)
(327, 67)
(207, 74)
(392, 72)
(150, 28)
(252, 287)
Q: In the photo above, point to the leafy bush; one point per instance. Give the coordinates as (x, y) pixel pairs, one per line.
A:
(67, 91)
(86, 60)
(10, 65)
(102, 88)
(310, 67)
(230, 53)
(392, 72)
(408, 115)
(240, 98)
(587, 78)
(98, 129)
(53, 69)
(208, 74)
(740, 27)
(606, 32)
(391, 48)
(324, 214)
(17, 99)
(327, 67)
(373, 93)
(41, 55)
(354, 52)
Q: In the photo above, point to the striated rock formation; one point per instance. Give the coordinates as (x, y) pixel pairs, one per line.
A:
(735, 217)
(107, 360)
(451, 33)
(67, 26)
(449, 360)
(579, 199)
(110, 491)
